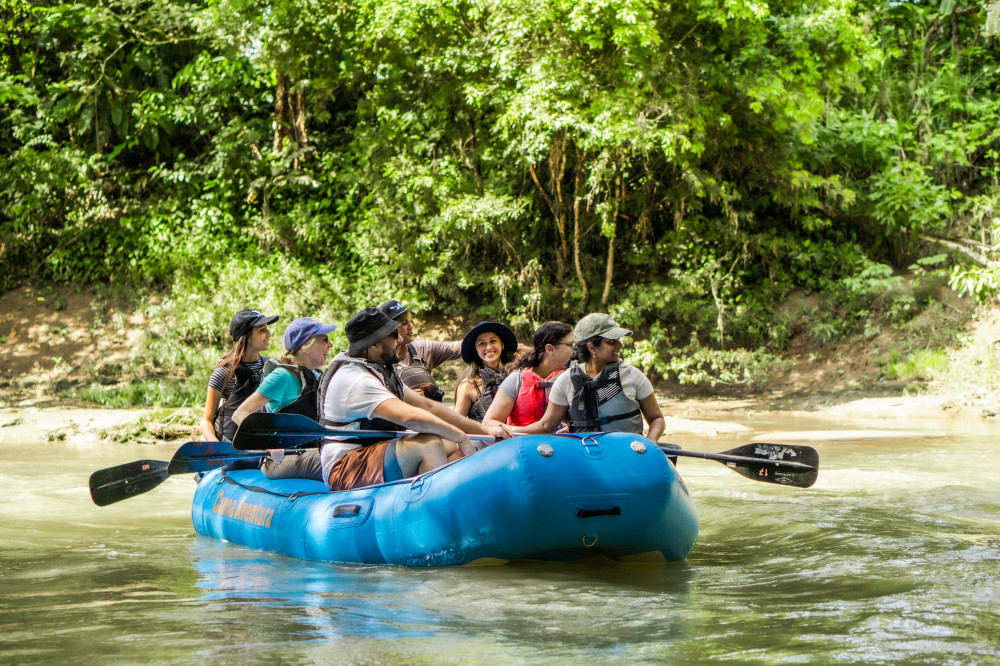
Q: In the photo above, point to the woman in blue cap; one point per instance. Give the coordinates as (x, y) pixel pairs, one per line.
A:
(487, 348)
(237, 375)
(289, 386)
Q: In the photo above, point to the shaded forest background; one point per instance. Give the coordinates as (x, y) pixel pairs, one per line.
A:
(686, 166)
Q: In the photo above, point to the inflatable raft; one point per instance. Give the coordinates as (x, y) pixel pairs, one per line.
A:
(544, 497)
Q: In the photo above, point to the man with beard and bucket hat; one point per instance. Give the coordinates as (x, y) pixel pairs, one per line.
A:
(360, 390)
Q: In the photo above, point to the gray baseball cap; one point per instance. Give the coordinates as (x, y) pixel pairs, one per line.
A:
(597, 323)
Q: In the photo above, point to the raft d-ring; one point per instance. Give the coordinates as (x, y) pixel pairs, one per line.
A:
(545, 450)
(638, 447)
(592, 543)
(417, 483)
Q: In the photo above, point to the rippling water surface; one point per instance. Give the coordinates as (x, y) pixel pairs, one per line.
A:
(893, 557)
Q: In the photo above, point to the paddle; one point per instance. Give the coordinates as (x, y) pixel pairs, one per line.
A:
(195, 457)
(783, 464)
(262, 430)
(114, 484)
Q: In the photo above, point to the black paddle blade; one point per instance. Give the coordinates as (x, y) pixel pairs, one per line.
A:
(205, 456)
(114, 484)
(770, 468)
(262, 430)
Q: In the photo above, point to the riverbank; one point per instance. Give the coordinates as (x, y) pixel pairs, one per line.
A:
(58, 342)
(82, 424)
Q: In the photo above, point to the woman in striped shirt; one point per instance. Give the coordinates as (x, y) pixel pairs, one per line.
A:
(237, 375)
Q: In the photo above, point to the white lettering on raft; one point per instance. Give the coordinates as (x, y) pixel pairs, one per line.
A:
(255, 514)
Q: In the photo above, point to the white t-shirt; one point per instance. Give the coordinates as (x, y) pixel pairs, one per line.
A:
(634, 384)
(353, 393)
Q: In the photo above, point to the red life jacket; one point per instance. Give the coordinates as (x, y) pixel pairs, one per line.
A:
(531, 399)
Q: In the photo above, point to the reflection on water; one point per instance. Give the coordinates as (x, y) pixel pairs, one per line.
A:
(894, 556)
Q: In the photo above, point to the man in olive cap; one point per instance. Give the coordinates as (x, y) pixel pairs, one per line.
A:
(361, 391)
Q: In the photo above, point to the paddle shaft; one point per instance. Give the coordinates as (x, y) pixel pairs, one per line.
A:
(722, 457)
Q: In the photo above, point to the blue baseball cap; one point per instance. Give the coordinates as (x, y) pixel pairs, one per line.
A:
(300, 330)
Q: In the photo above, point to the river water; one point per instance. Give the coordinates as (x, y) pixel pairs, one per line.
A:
(892, 557)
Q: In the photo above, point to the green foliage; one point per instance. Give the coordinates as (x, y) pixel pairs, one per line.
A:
(145, 393)
(683, 165)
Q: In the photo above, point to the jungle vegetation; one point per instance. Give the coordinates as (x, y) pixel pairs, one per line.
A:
(683, 165)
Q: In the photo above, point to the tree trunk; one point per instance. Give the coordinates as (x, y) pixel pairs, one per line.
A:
(584, 289)
(555, 201)
(609, 268)
(290, 121)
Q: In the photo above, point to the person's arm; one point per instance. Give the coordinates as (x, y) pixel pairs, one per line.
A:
(499, 411)
(654, 417)
(463, 397)
(434, 353)
(251, 405)
(553, 416)
(452, 417)
(211, 405)
(423, 421)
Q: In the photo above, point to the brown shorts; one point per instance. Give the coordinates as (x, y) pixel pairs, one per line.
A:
(360, 467)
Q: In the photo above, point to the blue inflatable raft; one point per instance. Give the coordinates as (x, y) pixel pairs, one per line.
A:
(545, 497)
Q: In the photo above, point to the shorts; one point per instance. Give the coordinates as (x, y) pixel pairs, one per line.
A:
(369, 465)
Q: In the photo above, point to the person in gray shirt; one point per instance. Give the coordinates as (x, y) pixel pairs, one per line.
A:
(418, 357)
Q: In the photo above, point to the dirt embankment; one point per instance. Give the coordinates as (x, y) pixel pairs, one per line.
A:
(56, 338)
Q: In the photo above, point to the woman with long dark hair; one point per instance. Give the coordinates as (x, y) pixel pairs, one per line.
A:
(237, 375)
(524, 395)
(487, 348)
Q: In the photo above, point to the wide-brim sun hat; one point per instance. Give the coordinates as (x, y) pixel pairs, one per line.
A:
(506, 336)
(245, 321)
(366, 328)
(598, 323)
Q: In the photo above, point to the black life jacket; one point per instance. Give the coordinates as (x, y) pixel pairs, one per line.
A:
(247, 382)
(598, 401)
(416, 375)
(305, 404)
(491, 380)
(385, 374)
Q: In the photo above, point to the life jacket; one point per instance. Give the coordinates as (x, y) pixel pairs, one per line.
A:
(386, 374)
(305, 404)
(531, 398)
(416, 376)
(247, 381)
(491, 380)
(598, 401)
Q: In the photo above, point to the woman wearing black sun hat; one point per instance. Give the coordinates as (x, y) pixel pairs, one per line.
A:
(487, 348)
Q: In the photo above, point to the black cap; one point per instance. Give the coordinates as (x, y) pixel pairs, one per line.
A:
(393, 309)
(366, 328)
(245, 321)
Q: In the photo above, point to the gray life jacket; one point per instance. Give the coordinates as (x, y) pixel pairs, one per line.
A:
(385, 374)
(305, 404)
(417, 376)
(491, 380)
(599, 404)
(247, 381)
